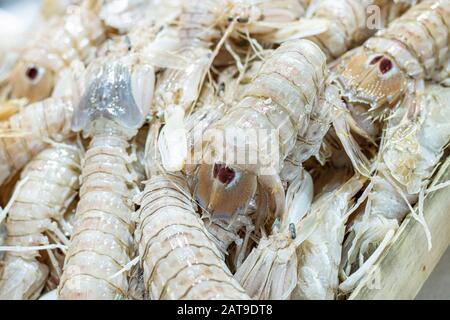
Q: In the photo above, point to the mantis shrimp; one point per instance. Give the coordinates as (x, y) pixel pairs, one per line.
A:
(178, 89)
(288, 110)
(48, 184)
(113, 107)
(73, 37)
(381, 74)
(178, 255)
(24, 134)
(201, 24)
(338, 26)
(124, 15)
(300, 259)
(180, 260)
(213, 104)
(320, 253)
(412, 148)
(270, 270)
(263, 19)
(413, 47)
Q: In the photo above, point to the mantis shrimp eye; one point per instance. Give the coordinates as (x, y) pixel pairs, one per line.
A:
(385, 65)
(32, 72)
(223, 173)
(376, 59)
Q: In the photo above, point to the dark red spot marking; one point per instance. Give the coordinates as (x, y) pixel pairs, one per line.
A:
(32, 72)
(223, 173)
(376, 59)
(385, 65)
(217, 166)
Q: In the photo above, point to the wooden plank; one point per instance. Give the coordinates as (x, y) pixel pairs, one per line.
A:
(403, 268)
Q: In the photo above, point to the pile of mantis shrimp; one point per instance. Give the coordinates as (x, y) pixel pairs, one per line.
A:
(116, 181)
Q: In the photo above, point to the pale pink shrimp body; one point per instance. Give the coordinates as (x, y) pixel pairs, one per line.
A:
(320, 253)
(48, 184)
(179, 257)
(262, 19)
(23, 135)
(178, 89)
(412, 147)
(201, 24)
(349, 22)
(413, 47)
(283, 101)
(72, 37)
(340, 25)
(379, 75)
(300, 259)
(112, 109)
(270, 270)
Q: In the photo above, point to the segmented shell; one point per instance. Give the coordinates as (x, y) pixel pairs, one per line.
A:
(179, 258)
(22, 135)
(102, 242)
(48, 184)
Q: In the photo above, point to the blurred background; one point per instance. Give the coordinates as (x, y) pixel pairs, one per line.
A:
(16, 17)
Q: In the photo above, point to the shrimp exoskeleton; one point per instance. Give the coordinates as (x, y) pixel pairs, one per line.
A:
(275, 102)
(179, 257)
(262, 19)
(178, 89)
(379, 75)
(202, 24)
(124, 15)
(11, 107)
(47, 186)
(320, 253)
(72, 37)
(23, 135)
(278, 106)
(337, 26)
(300, 259)
(412, 148)
(113, 107)
(270, 270)
(349, 23)
(414, 46)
